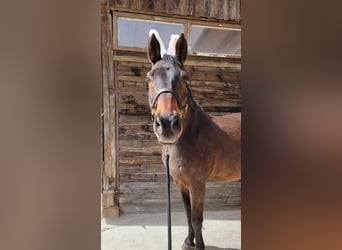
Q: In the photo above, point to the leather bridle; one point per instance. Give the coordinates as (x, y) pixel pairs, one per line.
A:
(182, 107)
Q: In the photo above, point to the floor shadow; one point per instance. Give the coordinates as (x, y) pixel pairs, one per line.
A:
(219, 248)
(233, 214)
(178, 218)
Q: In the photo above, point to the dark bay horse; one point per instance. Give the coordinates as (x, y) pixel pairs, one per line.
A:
(200, 147)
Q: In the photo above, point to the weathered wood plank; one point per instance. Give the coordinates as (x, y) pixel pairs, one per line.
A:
(129, 78)
(185, 8)
(212, 76)
(232, 105)
(196, 8)
(155, 190)
(140, 160)
(107, 81)
(110, 201)
(134, 151)
(154, 173)
(138, 143)
(215, 9)
(142, 169)
(151, 196)
(129, 87)
(213, 189)
(133, 70)
(135, 119)
(148, 177)
(210, 95)
(238, 10)
(210, 61)
(220, 77)
(142, 132)
(225, 10)
(136, 4)
(232, 9)
(143, 153)
(159, 206)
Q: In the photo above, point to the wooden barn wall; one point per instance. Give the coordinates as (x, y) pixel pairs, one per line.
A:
(227, 10)
(215, 84)
(133, 174)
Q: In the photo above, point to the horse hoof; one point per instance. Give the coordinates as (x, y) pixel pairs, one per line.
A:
(187, 247)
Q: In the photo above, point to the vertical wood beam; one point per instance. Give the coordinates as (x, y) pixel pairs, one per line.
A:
(109, 170)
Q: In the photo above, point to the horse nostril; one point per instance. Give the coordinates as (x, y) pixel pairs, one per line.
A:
(176, 125)
(157, 121)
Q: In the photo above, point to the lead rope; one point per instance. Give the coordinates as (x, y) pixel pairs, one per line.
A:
(168, 199)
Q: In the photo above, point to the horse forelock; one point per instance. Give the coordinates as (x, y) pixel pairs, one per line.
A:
(173, 60)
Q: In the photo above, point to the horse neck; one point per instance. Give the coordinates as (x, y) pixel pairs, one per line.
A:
(192, 129)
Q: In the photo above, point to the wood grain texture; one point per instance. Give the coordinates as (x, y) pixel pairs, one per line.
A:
(150, 197)
(107, 81)
(109, 203)
(215, 84)
(131, 151)
(224, 10)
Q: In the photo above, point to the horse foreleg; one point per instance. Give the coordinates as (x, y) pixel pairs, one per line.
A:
(189, 240)
(197, 193)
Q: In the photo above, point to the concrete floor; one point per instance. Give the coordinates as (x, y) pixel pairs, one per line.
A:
(221, 231)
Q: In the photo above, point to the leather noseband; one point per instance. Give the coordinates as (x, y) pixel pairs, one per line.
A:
(183, 108)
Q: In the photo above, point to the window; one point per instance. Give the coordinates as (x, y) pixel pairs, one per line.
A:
(214, 40)
(134, 33)
(220, 39)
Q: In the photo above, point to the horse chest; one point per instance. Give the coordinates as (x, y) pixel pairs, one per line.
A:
(189, 167)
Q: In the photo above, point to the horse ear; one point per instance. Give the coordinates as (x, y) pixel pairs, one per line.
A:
(181, 48)
(153, 50)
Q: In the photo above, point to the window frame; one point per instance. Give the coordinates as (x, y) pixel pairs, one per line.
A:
(187, 24)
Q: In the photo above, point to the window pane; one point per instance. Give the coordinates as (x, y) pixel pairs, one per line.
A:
(215, 40)
(135, 33)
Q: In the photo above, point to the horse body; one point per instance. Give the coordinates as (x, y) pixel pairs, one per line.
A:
(204, 152)
(200, 147)
(210, 149)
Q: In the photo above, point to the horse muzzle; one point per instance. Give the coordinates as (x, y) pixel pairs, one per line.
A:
(168, 128)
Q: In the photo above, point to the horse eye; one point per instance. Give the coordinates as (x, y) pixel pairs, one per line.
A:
(147, 79)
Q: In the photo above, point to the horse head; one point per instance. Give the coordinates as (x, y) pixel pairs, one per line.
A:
(169, 92)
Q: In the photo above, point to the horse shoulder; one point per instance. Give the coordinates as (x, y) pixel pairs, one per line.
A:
(230, 124)
(228, 151)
